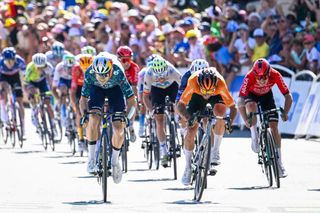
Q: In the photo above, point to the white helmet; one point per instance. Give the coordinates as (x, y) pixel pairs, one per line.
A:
(198, 64)
(159, 65)
(39, 60)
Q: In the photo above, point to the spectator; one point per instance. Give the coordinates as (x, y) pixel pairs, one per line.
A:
(298, 54)
(261, 49)
(274, 41)
(196, 47)
(313, 56)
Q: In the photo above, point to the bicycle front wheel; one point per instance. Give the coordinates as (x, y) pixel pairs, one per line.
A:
(202, 166)
(265, 153)
(273, 158)
(173, 148)
(124, 153)
(104, 141)
(19, 124)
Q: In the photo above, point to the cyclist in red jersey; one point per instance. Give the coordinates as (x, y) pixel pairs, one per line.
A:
(131, 69)
(78, 70)
(256, 87)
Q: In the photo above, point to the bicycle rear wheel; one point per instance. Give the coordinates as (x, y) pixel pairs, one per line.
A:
(265, 153)
(104, 142)
(19, 129)
(155, 149)
(124, 152)
(173, 153)
(274, 158)
(202, 166)
(50, 128)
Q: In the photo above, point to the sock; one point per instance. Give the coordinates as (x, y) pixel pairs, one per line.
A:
(80, 133)
(4, 114)
(163, 148)
(254, 132)
(188, 155)
(279, 157)
(115, 156)
(217, 142)
(91, 150)
(141, 120)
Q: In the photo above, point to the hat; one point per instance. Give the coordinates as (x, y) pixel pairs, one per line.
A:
(167, 28)
(243, 26)
(188, 11)
(9, 22)
(255, 15)
(191, 34)
(116, 5)
(133, 13)
(152, 1)
(308, 38)
(134, 41)
(179, 30)
(232, 26)
(151, 19)
(42, 26)
(258, 32)
(74, 32)
(298, 29)
(205, 26)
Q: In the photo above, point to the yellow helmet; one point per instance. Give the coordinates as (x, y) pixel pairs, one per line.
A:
(191, 34)
(85, 60)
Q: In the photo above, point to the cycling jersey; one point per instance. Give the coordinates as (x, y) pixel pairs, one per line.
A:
(132, 73)
(61, 72)
(194, 88)
(150, 79)
(53, 60)
(77, 77)
(33, 74)
(118, 78)
(18, 65)
(141, 79)
(184, 82)
(250, 84)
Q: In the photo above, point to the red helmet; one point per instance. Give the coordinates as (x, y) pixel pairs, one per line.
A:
(124, 51)
(261, 67)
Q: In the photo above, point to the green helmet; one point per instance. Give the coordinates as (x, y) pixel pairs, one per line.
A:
(89, 50)
(159, 65)
(68, 60)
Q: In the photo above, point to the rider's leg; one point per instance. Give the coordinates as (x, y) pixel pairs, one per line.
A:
(252, 107)
(161, 134)
(3, 101)
(218, 110)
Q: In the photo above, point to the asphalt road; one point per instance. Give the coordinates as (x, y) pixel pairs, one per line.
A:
(34, 180)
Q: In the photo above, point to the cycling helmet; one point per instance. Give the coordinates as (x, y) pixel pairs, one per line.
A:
(9, 53)
(68, 60)
(207, 81)
(124, 51)
(150, 60)
(159, 65)
(58, 49)
(85, 60)
(198, 64)
(89, 50)
(102, 65)
(261, 67)
(39, 60)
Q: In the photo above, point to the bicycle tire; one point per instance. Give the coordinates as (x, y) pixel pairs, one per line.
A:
(274, 158)
(202, 168)
(149, 148)
(124, 152)
(105, 167)
(173, 148)
(50, 130)
(45, 130)
(265, 150)
(19, 128)
(155, 146)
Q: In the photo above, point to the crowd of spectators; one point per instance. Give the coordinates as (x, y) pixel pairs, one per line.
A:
(229, 35)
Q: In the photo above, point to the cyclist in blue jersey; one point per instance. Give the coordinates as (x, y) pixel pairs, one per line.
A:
(11, 65)
(195, 66)
(105, 79)
(55, 55)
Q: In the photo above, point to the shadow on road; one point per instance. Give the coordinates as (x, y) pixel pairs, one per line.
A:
(314, 190)
(5, 148)
(73, 162)
(190, 202)
(250, 188)
(28, 152)
(139, 170)
(180, 189)
(87, 176)
(60, 156)
(151, 180)
(141, 161)
(86, 203)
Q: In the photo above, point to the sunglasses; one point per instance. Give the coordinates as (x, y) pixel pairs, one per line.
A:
(206, 92)
(125, 60)
(262, 77)
(106, 75)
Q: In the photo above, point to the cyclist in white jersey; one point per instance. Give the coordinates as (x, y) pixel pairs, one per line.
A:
(161, 79)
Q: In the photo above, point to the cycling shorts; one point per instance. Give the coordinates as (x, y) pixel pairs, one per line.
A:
(158, 96)
(198, 103)
(115, 97)
(41, 85)
(267, 103)
(64, 82)
(13, 81)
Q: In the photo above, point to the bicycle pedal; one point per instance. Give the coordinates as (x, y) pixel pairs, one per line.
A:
(212, 172)
(143, 146)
